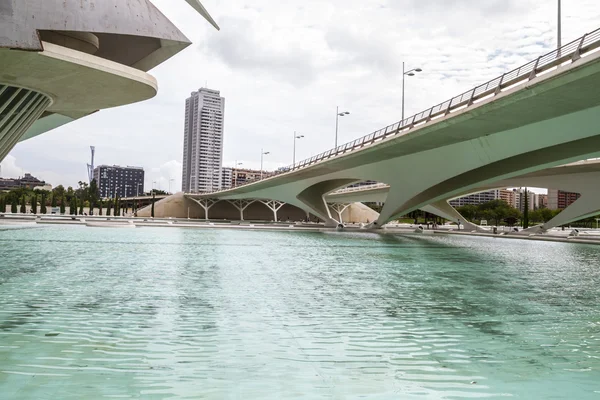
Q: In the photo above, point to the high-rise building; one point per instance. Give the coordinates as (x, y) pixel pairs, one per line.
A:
(227, 178)
(559, 200)
(203, 141)
(123, 181)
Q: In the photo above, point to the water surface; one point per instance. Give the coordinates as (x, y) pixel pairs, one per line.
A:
(168, 313)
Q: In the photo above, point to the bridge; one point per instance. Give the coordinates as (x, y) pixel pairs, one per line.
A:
(543, 114)
(80, 57)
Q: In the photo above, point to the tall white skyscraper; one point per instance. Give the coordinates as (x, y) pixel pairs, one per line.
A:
(203, 141)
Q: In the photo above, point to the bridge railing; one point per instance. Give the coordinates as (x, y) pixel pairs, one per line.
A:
(570, 52)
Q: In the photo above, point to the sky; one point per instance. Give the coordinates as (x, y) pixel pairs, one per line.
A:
(283, 67)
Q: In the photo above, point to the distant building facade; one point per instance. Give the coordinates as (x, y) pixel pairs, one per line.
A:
(227, 178)
(203, 142)
(476, 198)
(559, 200)
(122, 181)
(241, 176)
(27, 181)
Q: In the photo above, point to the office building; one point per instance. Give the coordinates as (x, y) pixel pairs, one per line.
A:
(559, 200)
(203, 142)
(123, 181)
(476, 198)
(227, 178)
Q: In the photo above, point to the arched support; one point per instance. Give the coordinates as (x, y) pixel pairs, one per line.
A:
(206, 205)
(445, 210)
(314, 198)
(339, 208)
(273, 205)
(586, 206)
(241, 205)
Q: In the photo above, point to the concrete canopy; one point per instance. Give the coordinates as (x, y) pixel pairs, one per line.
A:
(85, 55)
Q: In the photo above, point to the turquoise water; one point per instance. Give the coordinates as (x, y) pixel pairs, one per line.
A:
(169, 313)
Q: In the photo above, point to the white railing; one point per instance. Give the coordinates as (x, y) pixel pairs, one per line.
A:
(570, 52)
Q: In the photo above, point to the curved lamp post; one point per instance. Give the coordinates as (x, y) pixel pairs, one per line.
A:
(409, 73)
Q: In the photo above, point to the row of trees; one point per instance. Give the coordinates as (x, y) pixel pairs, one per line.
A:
(85, 196)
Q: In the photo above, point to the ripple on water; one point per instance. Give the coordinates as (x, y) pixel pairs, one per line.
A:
(181, 314)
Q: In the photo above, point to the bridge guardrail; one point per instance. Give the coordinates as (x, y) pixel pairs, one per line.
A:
(572, 51)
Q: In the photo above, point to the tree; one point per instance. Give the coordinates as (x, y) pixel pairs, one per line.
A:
(99, 206)
(13, 205)
(54, 202)
(34, 204)
(3, 205)
(526, 211)
(81, 206)
(43, 209)
(152, 210)
(62, 204)
(108, 207)
(117, 211)
(73, 206)
(23, 205)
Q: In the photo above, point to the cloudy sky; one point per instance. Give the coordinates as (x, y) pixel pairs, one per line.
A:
(285, 66)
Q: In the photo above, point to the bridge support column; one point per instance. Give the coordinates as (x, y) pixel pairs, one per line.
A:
(586, 206)
(313, 198)
(339, 208)
(273, 205)
(241, 205)
(445, 210)
(206, 205)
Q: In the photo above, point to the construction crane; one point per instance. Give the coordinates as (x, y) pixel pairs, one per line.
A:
(90, 167)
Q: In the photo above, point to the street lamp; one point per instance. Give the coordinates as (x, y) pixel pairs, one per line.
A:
(338, 114)
(559, 25)
(262, 154)
(234, 173)
(296, 136)
(409, 73)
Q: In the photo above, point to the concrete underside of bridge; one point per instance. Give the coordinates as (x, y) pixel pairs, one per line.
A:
(552, 120)
(180, 206)
(580, 178)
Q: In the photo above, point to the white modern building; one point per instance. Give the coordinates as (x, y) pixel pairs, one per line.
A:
(203, 142)
(62, 60)
(476, 198)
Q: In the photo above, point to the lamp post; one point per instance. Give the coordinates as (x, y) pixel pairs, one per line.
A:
(559, 25)
(262, 154)
(338, 114)
(409, 73)
(234, 173)
(296, 136)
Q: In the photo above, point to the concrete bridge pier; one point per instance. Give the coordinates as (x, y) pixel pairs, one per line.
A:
(206, 205)
(241, 205)
(275, 206)
(339, 208)
(446, 211)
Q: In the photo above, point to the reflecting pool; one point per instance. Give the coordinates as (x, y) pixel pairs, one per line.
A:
(170, 313)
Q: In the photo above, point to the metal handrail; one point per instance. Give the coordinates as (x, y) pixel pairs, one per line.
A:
(569, 52)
